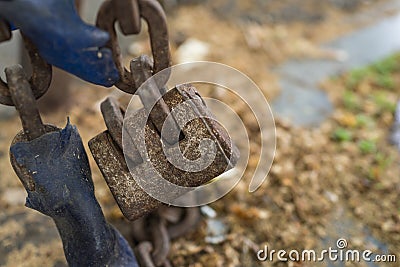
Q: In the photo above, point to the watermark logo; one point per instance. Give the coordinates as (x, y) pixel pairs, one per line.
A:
(339, 254)
(222, 79)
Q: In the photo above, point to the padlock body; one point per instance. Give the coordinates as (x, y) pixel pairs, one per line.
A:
(197, 124)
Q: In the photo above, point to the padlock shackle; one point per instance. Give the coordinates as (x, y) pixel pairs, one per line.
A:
(25, 102)
(113, 116)
(151, 97)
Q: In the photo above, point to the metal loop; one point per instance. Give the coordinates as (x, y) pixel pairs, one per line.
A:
(128, 16)
(154, 232)
(39, 81)
(153, 13)
(188, 222)
(160, 240)
(144, 250)
(152, 99)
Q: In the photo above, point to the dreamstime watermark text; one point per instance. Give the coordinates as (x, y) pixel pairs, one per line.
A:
(338, 254)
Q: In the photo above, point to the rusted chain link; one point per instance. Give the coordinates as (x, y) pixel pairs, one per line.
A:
(154, 233)
(41, 70)
(128, 16)
(153, 13)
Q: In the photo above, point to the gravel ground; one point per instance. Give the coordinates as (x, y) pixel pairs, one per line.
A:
(343, 171)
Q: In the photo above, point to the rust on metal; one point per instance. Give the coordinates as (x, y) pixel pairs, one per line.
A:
(133, 201)
(25, 102)
(113, 118)
(130, 197)
(40, 79)
(189, 221)
(152, 12)
(160, 240)
(128, 16)
(152, 100)
(33, 127)
(153, 235)
(198, 129)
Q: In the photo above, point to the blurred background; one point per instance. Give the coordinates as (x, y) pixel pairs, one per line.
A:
(330, 70)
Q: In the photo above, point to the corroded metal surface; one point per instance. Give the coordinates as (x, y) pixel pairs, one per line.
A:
(152, 12)
(22, 96)
(128, 16)
(152, 100)
(131, 198)
(40, 79)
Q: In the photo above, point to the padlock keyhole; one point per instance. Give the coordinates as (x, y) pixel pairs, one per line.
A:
(180, 138)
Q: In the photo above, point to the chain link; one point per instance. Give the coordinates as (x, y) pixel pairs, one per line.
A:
(41, 70)
(128, 16)
(154, 233)
(152, 12)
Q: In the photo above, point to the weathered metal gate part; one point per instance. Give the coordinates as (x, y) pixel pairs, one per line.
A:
(133, 201)
(54, 169)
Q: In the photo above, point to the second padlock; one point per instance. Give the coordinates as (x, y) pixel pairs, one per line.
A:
(203, 151)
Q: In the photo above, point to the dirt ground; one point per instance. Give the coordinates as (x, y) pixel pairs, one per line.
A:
(322, 178)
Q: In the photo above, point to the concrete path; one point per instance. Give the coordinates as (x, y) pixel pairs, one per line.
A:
(301, 101)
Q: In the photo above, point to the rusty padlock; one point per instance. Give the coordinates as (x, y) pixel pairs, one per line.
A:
(197, 124)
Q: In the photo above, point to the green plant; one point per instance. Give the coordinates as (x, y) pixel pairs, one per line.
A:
(364, 121)
(367, 146)
(385, 81)
(387, 65)
(341, 135)
(382, 101)
(350, 100)
(382, 160)
(356, 76)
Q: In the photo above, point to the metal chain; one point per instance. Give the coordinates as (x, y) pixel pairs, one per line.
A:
(41, 70)
(128, 16)
(152, 12)
(154, 233)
